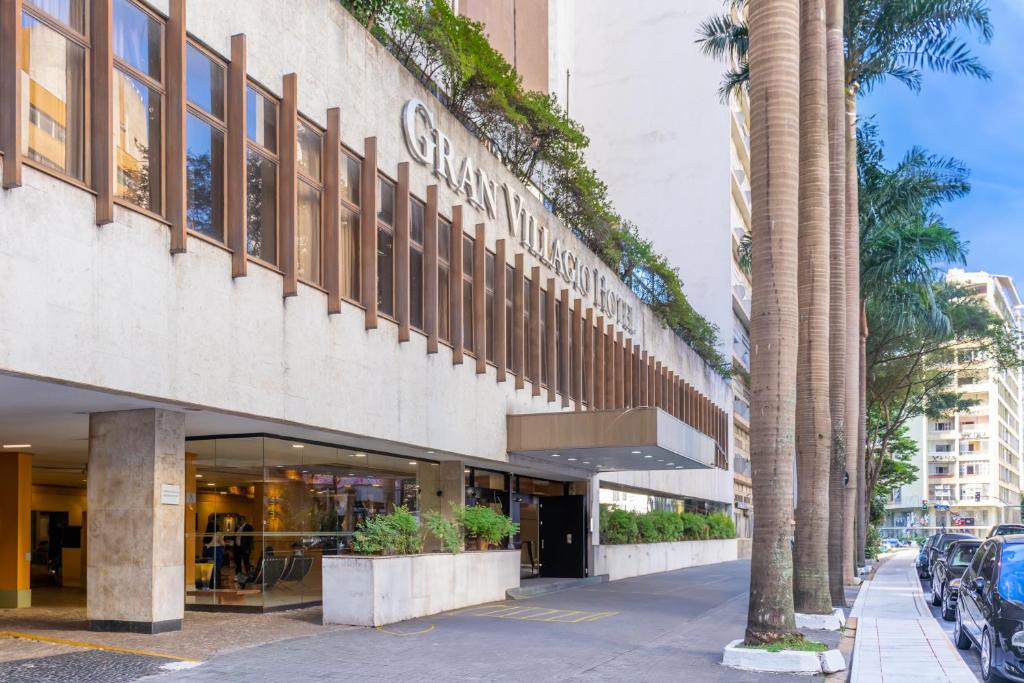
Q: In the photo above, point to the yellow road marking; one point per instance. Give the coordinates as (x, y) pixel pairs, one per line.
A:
(428, 629)
(94, 646)
(594, 617)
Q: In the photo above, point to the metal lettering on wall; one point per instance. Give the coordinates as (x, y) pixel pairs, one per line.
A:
(431, 147)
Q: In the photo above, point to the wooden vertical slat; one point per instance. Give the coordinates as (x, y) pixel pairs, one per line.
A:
(642, 376)
(455, 288)
(534, 330)
(549, 342)
(676, 406)
(627, 373)
(564, 358)
(620, 372)
(599, 365)
(236, 204)
(332, 210)
(637, 377)
(672, 393)
(519, 333)
(500, 297)
(480, 298)
(430, 270)
(659, 398)
(576, 364)
(588, 357)
(288, 182)
(652, 383)
(611, 362)
(102, 108)
(10, 91)
(402, 293)
(368, 232)
(175, 187)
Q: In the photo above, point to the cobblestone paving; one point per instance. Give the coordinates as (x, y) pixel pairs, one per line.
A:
(79, 666)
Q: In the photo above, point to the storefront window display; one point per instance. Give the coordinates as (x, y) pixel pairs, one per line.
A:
(262, 511)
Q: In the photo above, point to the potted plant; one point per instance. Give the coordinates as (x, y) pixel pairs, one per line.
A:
(484, 526)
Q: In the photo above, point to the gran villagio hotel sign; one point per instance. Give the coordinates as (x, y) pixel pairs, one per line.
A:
(429, 146)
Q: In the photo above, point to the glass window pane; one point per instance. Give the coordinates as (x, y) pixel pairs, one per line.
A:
(444, 239)
(444, 328)
(137, 38)
(349, 254)
(309, 151)
(527, 323)
(385, 272)
(468, 328)
(545, 376)
(386, 200)
(261, 120)
(416, 287)
(204, 170)
(262, 207)
(205, 80)
(53, 99)
(509, 317)
(307, 238)
(467, 256)
(137, 142)
(350, 179)
(416, 210)
(69, 12)
(489, 304)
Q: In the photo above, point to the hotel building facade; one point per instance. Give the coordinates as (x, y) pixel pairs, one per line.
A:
(259, 285)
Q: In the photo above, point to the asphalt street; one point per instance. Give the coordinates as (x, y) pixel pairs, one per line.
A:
(972, 656)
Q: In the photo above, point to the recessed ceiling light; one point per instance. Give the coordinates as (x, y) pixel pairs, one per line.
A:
(210, 483)
(648, 456)
(555, 455)
(572, 459)
(465, 471)
(17, 445)
(223, 493)
(298, 445)
(430, 452)
(586, 462)
(199, 476)
(360, 455)
(635, 452)
(413, 462)
(83, 481)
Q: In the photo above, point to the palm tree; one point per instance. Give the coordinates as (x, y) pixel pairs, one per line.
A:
(774, 161)
(837, 296)
(813, 421)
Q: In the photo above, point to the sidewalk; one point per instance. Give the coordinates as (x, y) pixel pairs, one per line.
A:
(897, 637)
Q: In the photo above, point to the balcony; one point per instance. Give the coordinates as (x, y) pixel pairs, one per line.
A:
(741, 467)
(972, 435)
(742, 409)
(942, 457)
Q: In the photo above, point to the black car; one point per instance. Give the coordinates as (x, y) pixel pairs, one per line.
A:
(1005, 529)
(922, 556)
(990, 610)
(946, 575)
(941, 544)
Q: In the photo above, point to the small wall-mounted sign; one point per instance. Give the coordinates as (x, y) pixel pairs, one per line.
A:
(170, 494)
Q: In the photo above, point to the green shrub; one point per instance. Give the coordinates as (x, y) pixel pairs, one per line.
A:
(695, 526)
(618, 526)
(721, 525)
(872, 543)
(393, 534)
(668, 526)
(480, 521)
(447, 531)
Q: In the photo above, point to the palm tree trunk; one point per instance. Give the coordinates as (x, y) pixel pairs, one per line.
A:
(813, 426)
(774, 160)
(837, 294)
(864, 499)
(852, 341)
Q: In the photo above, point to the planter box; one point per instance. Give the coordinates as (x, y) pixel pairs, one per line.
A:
(374, 591)
(624, 561)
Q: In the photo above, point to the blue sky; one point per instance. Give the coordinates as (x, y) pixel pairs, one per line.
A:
(982, 124)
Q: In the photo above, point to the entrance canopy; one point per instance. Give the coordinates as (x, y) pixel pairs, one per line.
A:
(610, 440)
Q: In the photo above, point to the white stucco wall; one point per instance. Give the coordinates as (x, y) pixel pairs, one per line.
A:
(111, 308)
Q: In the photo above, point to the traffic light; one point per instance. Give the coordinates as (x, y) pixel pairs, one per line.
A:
(977, 496)
(924, 506)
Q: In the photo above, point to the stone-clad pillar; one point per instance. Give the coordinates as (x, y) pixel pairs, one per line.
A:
(15, 529)
(440, 487)
(136, 535)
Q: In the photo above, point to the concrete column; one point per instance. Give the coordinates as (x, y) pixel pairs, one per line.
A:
(15, 529)
(136, 494)
(439, 486)
(594, 526)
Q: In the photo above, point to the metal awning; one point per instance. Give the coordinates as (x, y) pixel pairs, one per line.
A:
(610, 440)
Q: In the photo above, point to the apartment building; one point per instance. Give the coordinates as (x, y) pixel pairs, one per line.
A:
(970, 463)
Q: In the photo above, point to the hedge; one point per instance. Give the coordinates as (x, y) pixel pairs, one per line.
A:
(661, 526)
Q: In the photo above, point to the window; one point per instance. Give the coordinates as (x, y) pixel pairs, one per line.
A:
(138, 106)
(205, 132)
(349, 237)
(559, 348)
(527, 323)
(386, 247)
(573, 358)
(53, 59)
(545, 361)
(510, 280)
(444, 251)
(308, 232)
(489, 304)
(468, 328)
(416, 212)
(943, 448)
(261, 172)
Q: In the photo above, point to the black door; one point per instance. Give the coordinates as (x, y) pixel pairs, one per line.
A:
(563, 536)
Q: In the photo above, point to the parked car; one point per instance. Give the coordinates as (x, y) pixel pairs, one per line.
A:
(947, 572)
(940, 546)
(990, 608)
(1005, 530)
(922, 557)
(895, 542)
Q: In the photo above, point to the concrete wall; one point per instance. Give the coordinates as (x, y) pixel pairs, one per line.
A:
(625, 561)
(374, 591)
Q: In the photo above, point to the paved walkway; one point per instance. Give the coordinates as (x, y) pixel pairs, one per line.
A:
(897, 637)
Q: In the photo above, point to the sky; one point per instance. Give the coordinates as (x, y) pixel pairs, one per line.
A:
(982, 124)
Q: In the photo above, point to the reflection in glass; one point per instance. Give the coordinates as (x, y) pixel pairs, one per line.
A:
(350, 179)
(137, 142)
(261, 241)
(137, 39)
(53, 100)
(349, 254)
(444, 318)
(468, 326)
(261, 120)
(528, 327)
(385, 272)
(68, 12)
(205, 82)
(509, 318)
(416, 209)
(489, 304)
(309, 151)
(204, 169)
(545, 377)
(386, 199)
(307, 237)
